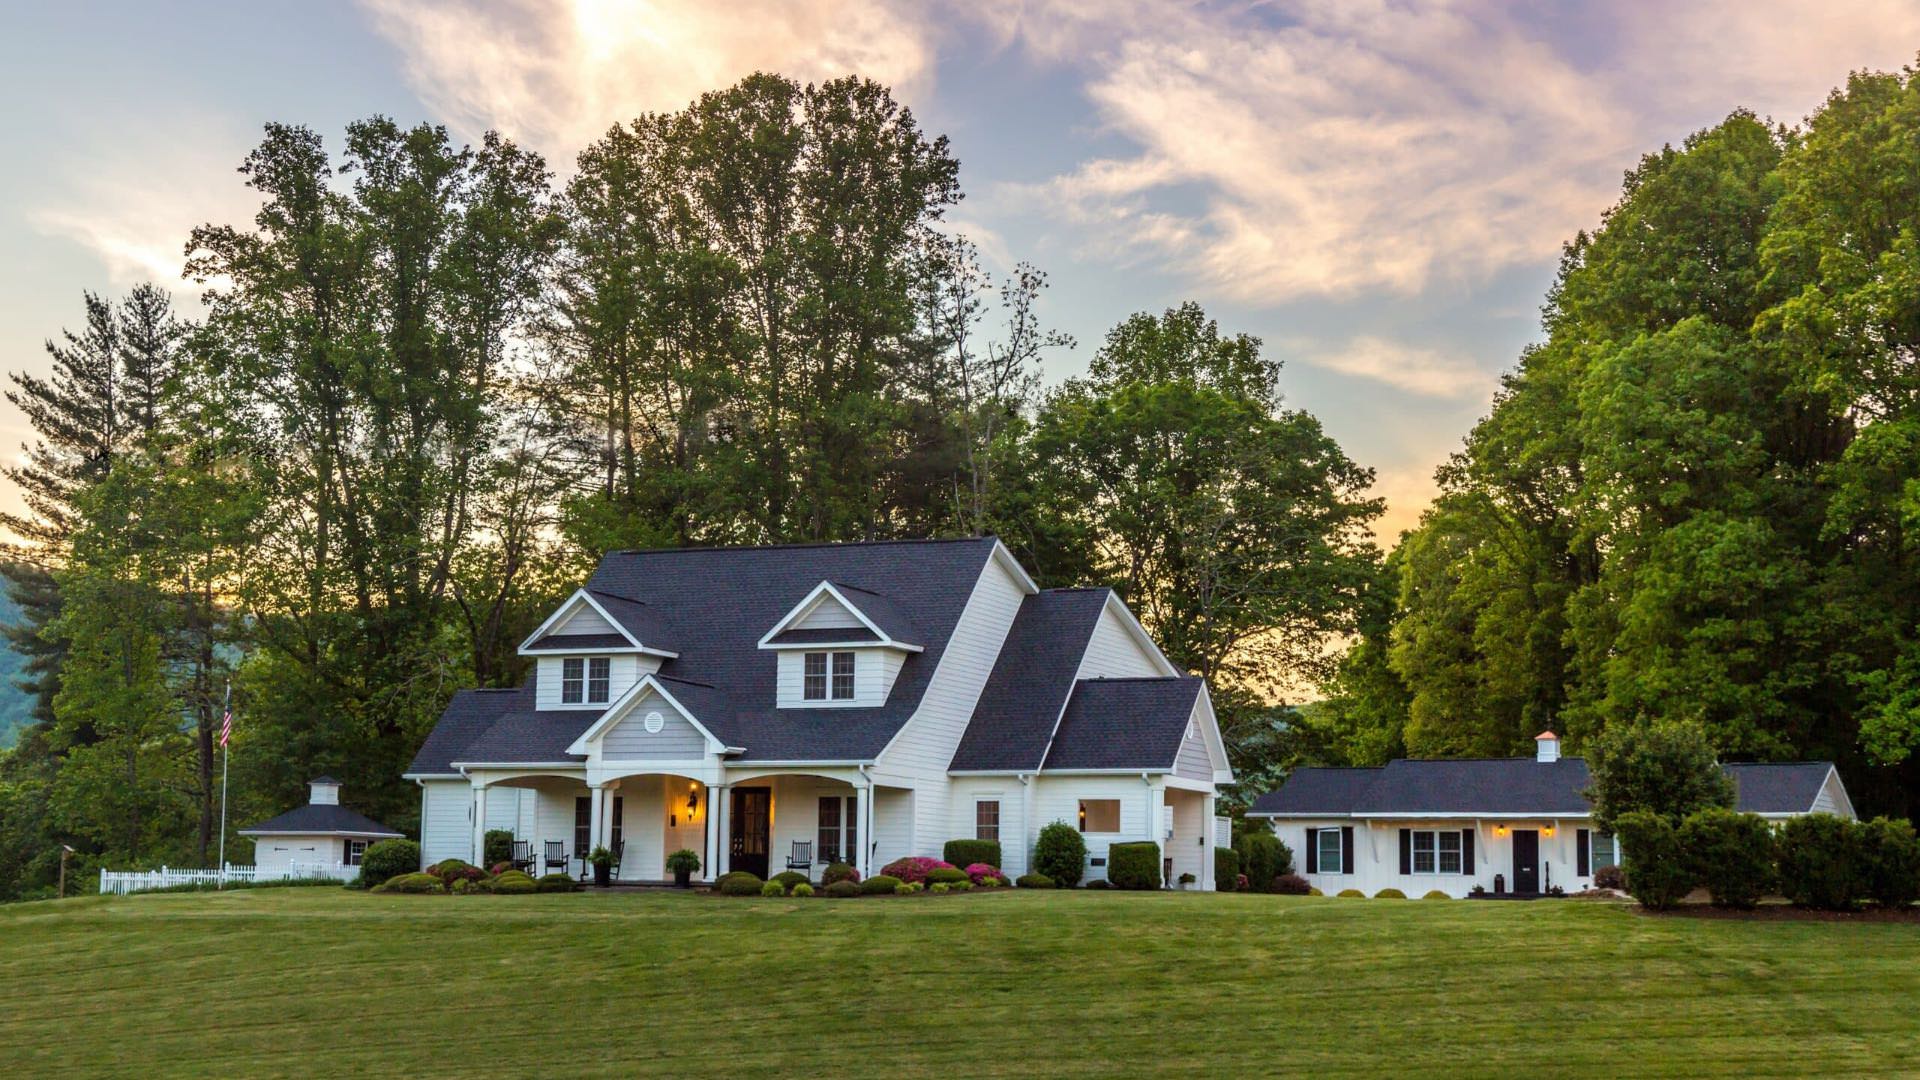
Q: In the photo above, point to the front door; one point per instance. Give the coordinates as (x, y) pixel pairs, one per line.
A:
(1526, 860)
(751, 815)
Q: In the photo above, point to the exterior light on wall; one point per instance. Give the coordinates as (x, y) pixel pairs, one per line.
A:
(1499, 830)
(693, 801)
(1548, 831)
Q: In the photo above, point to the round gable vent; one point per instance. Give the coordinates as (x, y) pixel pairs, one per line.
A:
(655, 721)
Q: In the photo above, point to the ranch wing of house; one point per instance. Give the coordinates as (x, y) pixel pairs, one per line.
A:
(1504, 825)
(830, 702)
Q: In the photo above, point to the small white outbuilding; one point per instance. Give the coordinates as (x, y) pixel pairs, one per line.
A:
(320, 834)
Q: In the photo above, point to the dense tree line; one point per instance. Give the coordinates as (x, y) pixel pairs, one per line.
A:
(431, 386)
(1698, 499)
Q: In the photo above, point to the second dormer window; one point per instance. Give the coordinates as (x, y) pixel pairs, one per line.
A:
(827, 676)
(588, 680)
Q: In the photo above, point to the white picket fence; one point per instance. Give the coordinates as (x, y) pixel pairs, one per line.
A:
(120, 882)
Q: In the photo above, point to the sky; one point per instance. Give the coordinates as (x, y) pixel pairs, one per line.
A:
(1377, 190)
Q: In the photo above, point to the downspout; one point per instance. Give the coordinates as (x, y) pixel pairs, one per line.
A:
(872, 815)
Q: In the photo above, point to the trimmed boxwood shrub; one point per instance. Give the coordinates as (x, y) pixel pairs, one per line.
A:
(1610, 877)
(388, 858)
(739, 883)
(914, 868)
(773, 888)
(1389, 894)
(880, 884)
(1820, 860)
(1892, 856)
(803, 890)
(904, 889)
(1034, 881)
(839, 872)
(788, 879)
(1352, 894)
(1134, 865)
(951, 875)
(1226, 869)
(1314, 890)
(511, 883)
(1729, 853)
(1292, 885)
(840, 890)
(1657, 872)
(1260, 859)
(965, 852)
(451, 870)
(499, 847)
(411, 883)
(556, 883)
(1060, 852)
(1436, 894)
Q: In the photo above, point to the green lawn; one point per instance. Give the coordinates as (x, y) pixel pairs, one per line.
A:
(305, 981)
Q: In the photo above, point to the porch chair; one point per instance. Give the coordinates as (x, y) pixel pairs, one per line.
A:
(522, 855)
(618, 850)
(556, 859)
(802, 857)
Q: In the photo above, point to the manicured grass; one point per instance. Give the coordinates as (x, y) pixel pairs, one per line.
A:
(305, 981)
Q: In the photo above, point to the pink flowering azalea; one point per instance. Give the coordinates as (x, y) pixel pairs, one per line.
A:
(978, 872)
(914, 868)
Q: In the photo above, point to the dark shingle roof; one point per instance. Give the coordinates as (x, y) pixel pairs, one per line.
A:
(1520, 786)
(1031, 679)
(466, 718)
(886, 614)
(579, 643)
(644, 621)
(1784, 788)
(819, 634)
(321, 818)
(1124, 723)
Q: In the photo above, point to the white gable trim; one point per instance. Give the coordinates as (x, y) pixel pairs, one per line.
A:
(1210, 733)
(582, 596)
(1843, 801)
(821, 591)
(618, 711)
(1140, 635)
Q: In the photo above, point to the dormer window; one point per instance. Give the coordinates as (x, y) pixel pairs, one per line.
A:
(586, 679)
(827, 674)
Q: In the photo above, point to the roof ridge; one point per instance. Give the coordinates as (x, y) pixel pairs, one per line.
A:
(1522, 757)
(807, 544)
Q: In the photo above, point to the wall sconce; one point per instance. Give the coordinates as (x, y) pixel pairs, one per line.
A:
(1548, 831)
(1499, 830)
(693, 801)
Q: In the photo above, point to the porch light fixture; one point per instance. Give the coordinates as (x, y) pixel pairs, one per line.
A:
(693, 801)
(1499, 830)
(1548, 831)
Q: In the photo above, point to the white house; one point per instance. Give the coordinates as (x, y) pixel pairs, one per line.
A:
(1507, 825)
(320, 834)
(867, 700)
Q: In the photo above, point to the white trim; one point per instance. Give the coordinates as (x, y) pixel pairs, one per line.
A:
(1420, 815)
(807, 603)
(1012, 566)
(466, 767)
(1101, 772)
(615, 712)
(320, 832)
(416, 777)
(565, 609)
(1140, 635)
(799, 763)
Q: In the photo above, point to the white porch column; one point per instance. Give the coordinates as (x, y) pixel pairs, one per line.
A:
(479, 853)
(596, 817)
(1206, 843)
(719, 809)
(1157, 820)
(865, 865)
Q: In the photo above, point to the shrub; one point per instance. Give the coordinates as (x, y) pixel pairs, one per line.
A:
(879, 884)
(411, 883)
(803, 889)
(464, 886)
(1731, 854)
(1034, 881)
(788, 879)
(773, 887)
(839, 872)
(1389, 894)
(914, 868)
(1656, 869)
(685, 859)
(387, 859)
(1820, 862)
(840, 890)
(451, 870)
(1664, 767)
(1610, 877)
(1260, 859)
(963, 852)
(1891, 854)
(1314, 890)
(1291, 885)
(556, 883)
(1240, 883)
(904, 889)
(1226, 869)
(1134, 865)
(960, 886)
(951, 875)
(512, 883)
(1352, 894)
(739, 883)
(1436, 894)
(1099, 883)
(991, 882)
(981, 873)
(1060, 852)
(940, 887)
(500, 868)
(498, 847)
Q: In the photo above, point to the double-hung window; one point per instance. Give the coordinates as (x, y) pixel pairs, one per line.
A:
(1606, 851)
(843, 676)
(838, 837)
(817, 685)
(986, 819)
(599, 679)
(573, 680)
(355, 850)
(1328, 841)
(813, 678)
(1437, 851)
(582, 825)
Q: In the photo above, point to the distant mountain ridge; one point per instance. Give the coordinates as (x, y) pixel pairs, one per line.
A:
(16, 705)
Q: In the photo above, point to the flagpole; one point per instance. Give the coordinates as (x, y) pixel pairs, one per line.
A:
(226, 753)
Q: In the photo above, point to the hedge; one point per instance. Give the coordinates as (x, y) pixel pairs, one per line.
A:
(788, 879)
(1820, 859)
(947, 875)
(411, 883)
(498, 847)
(388, 858)
(840, 890)
(839, 872)
(1034, 881)
(968, 852)
(739, 883)
(1729, 853)
(1260, 860)
(1134, 865)
(1657, 872)
(511, 883)
(555, 883)
(1226, 869)
(877, 885)
(1892, 855)
(1292, 885)
(1060, 852)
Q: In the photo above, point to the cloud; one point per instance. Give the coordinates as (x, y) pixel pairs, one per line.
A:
(555, 74)
(1414, 369)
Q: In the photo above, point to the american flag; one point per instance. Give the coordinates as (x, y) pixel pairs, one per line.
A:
(226, 726)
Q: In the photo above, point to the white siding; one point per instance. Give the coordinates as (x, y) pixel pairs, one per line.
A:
(1114, 653)
(1057, 798)
(1377, 855)
(584, 620)
(1194, 762)
(629, 740)
(553, 820)
(508, 808)
(1833, 797)
(275, 852)
(623, 671)
(1015, 839)
(796, 816)
(827, 614)
(892, 825)
(446, 820)
(874, 670)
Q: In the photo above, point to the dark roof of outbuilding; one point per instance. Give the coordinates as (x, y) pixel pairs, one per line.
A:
(579, 643)
(321, 819)
(1124, 723)
(1031, 680)
(1497, 786)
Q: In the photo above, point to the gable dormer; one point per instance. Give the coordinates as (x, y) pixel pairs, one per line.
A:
(592, 650)
(839, 647)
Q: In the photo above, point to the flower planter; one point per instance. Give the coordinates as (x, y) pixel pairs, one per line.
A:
(682, 878)
(602, 874)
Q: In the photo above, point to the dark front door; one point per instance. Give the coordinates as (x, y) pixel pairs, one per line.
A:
(750, 817)
(1526, 860)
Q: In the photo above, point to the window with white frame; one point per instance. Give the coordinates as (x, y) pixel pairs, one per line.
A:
(813, 677)
(1329, 854)
(599, 679)
(573, 680)
(843, 676)
(986, 819)
(1606, 851)
(829, 829)
(356, 850)
(1436, 851)
(815, 682)
(1099, 815)
(837, 835)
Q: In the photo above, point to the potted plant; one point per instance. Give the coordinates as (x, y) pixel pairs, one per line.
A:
(602, 861)
(1186, 881)
(683, 863)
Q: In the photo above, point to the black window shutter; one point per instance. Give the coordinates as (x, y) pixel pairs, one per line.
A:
(346, 852)
(1346, 849)
(1583, 852)
(1313, 851)
(1466, 851)
(1406, 851)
